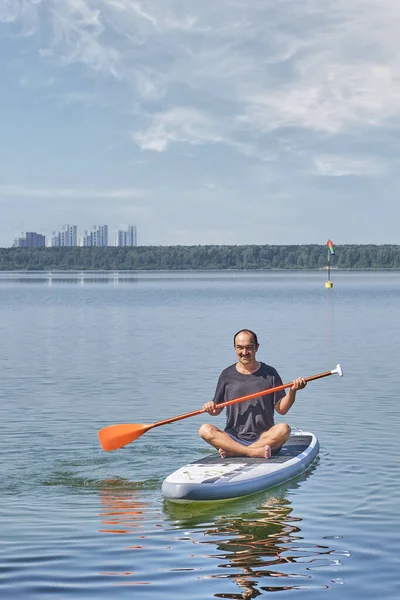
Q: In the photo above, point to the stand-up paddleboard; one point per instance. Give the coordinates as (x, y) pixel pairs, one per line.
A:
(215, 478)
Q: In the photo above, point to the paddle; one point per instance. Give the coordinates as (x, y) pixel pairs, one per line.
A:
(117, 436)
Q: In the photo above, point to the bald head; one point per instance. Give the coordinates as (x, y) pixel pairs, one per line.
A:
(248, 332)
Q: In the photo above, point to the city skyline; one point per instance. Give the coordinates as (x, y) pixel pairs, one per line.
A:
(68, 236)
(242, 122)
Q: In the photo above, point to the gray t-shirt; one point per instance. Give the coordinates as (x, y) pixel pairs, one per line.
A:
(248, 419)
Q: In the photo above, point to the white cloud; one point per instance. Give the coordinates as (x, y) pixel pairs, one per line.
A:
(48, 192)
(31, 82)
(321, 66)
(13, 10)
(177, 125)
(340, 97)
(340, 166)
(195, 127)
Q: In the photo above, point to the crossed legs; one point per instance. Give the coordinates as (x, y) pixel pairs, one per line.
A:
(270, 440)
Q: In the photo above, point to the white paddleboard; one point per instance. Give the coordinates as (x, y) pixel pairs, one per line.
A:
(214, 478)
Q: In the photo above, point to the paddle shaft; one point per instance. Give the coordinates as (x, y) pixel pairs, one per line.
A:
(241, 399)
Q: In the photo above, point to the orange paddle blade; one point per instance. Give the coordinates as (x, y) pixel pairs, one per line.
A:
(117, 436)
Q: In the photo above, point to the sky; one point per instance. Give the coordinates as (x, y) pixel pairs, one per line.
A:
(202, 122)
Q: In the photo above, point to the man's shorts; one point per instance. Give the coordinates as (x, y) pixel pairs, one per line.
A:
(232, 434)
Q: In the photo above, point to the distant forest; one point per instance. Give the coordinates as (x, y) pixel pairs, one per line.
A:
(200, 258)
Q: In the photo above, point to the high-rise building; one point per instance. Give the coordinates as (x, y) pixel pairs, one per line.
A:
(67, 236)
(127, 237)
(30, 240)
(102, 235)
(87, 239)
(97, 236)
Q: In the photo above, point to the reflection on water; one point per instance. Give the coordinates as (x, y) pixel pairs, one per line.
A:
(68, 278)
(265, 551)
(260, 547)
(257, 546)
(121, 513)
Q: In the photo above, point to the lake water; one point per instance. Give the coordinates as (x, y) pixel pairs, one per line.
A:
(79, 352)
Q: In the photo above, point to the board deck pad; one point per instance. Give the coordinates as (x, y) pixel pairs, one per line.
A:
(213, 477)
(293, 447)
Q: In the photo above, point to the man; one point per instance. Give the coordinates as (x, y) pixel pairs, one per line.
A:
(250, 427)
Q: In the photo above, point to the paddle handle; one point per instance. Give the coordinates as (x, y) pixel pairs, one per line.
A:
(266, 392)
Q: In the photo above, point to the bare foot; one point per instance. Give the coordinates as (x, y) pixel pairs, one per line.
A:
(223, 453)
(263, 452)
(226, 453)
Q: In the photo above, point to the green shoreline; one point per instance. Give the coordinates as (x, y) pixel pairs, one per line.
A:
(202, 258)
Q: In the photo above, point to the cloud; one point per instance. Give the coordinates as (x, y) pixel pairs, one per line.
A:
(341, 96)
(340, 166)
(34, 83)
(177, 125)
(48, 192)
(229, 72)
(19, 10)
(186, 125)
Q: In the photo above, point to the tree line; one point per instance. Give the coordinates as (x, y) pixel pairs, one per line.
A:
(311, 256)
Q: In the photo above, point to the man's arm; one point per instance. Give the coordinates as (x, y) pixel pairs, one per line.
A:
(287, 401)
(219, 396)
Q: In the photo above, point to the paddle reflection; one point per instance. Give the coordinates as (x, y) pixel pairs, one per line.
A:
(121, 513)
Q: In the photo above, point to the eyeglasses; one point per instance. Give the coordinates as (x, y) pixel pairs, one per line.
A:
(249, 348)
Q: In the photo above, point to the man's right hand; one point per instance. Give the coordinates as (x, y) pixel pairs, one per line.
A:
(212, 408)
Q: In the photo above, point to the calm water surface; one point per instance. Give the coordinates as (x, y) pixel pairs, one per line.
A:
(79, 352)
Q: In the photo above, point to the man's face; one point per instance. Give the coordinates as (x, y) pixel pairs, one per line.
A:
(245, 348)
